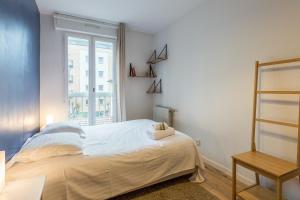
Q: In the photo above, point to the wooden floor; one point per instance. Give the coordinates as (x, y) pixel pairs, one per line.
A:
(218, 183)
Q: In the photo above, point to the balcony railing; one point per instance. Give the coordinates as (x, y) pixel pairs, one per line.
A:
(79, 106)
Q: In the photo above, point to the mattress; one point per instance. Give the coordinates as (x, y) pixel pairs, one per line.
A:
(117, 158)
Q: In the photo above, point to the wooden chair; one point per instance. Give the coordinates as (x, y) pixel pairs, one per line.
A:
(263, 164)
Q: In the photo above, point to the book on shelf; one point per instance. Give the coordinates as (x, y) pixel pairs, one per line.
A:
(131, 71)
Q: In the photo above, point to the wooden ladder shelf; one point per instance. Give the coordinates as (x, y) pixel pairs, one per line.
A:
(263, 164)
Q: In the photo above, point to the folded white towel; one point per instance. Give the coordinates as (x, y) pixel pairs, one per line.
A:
(159, 134)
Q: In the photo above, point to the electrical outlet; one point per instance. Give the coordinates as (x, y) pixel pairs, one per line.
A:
(198, 142)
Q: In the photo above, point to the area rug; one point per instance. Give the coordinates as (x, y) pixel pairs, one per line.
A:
(176, 189)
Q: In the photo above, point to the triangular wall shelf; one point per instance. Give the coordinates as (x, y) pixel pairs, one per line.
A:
(163, 55)
(152, 57)
(149, 74)
(155, 88)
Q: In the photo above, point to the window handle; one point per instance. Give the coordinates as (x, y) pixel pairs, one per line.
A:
(93, 89)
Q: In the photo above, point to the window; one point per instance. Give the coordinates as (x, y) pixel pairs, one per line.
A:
(100, 74)
(71, 78)
(100, 87)
(86, 106)
(100, 60)
(70, 63)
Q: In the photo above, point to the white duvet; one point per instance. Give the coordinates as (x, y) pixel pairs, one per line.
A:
(117, 158)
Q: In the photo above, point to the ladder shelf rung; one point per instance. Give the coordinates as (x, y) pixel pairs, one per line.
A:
(277, 122)
(278, 62)
(257, 193)
(277, 92)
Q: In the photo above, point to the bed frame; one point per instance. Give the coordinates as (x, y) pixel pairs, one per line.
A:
(172, 176)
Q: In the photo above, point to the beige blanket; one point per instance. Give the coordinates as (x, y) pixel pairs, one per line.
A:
(118, 158)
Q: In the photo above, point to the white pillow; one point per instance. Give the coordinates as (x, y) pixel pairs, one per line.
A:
(63, 127)
(44, 146)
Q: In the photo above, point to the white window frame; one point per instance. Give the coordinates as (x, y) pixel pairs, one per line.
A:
(92, 73)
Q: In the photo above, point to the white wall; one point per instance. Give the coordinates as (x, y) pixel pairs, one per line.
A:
(52, 94)
(138, 49)
(209, 75)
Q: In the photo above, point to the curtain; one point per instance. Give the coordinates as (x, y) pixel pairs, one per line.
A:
(121, 73)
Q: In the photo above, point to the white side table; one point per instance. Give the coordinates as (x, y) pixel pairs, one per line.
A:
(29, 189)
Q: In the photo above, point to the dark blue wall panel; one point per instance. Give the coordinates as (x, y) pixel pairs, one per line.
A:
(19, 73)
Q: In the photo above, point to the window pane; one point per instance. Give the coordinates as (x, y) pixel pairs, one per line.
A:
(100, 60)
(100, 88)
(78, 76)
(100, 74)
(103, 78)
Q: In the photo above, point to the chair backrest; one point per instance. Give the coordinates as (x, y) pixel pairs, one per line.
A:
(257, 92)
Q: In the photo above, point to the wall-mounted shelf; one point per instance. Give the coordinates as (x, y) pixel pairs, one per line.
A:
(150, 74)
(163, 55)
(157, 60)
(156, 87)
(141, 76)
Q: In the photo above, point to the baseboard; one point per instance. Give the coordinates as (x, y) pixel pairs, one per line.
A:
(227, 171)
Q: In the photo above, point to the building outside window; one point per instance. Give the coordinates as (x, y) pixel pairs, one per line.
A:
(100, 60)
(71, 78)
(100, 74)
(71, 63)
(100, 87)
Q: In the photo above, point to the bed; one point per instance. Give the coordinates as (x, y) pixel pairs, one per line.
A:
(117, 158)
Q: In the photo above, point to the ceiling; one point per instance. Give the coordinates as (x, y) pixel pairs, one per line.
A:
(149, 16)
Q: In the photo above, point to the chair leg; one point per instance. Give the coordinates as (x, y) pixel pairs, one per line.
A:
(279, 190)
(257, 178)
(233, 179)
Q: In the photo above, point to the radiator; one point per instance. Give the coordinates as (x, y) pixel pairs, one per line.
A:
(164, 114)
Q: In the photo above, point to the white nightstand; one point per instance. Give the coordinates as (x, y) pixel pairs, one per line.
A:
(29, 189)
